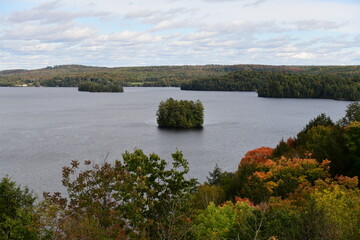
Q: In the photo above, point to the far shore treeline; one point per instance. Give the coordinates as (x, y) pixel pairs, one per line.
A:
(307, 187)
(98, 87)
(284, 85)
(330, 82)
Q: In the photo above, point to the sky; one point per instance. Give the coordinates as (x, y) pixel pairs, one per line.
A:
(114, 33)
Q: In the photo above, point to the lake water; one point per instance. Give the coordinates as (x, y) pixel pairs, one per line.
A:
(43, 129)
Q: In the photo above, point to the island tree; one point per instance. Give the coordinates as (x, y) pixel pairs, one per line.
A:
(180, 114)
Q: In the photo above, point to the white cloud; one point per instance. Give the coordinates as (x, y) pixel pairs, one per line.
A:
(49, 13)
(128, 38)
(246, 3)
(200, 35)
(306, 25)
(297, 55)
(163, 32)
(48, 33)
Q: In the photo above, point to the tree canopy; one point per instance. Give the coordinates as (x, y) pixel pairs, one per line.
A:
(17, 218)
(180, 114)
(137, 198)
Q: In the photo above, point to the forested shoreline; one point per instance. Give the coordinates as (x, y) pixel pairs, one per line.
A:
(336, 86)
(331, 82)
(305, 188)
(98, 87)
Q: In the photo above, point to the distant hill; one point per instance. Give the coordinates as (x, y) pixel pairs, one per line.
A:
(222, 77)
(72, 75)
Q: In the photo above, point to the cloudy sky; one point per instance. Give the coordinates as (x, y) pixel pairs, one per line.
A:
(39, 33)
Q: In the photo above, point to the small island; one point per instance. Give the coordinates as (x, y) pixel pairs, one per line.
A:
(97, 87)
(180, 114)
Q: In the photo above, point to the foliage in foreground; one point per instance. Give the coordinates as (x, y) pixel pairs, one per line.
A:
(17, 212)
(290, 193)
(139, 198)
(324, 139)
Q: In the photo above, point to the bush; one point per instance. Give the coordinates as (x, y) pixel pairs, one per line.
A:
(180, 114)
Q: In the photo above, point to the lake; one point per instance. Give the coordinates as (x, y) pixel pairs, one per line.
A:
(43, 129)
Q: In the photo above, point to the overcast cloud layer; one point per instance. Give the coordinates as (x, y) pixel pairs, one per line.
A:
(39, 33)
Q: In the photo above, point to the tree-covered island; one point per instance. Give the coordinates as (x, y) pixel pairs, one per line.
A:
(180, 114)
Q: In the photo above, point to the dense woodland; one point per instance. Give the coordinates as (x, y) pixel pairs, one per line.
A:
(338, 86)
(305, 188)
(180, 114)
(333, 82)
(97, 87)
(160, 76)
(247, 80)
(331, 86)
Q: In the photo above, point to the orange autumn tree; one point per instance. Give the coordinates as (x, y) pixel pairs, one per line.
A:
(259, 177)
(257, 155)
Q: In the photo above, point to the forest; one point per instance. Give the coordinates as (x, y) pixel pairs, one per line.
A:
(247, 80)
(155, 76)
(97, 87)
(335, 82)
(332, 82)
(305, 188)
(337, 86)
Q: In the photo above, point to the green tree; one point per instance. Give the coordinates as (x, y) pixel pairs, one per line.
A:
(282, 220)
(139, 197)
(205, 194)
(352, 142)
(321, 120)
(352, 114)
(180, 114)
(17, 215)
(341, 207)
(215, 176)
(214, 222)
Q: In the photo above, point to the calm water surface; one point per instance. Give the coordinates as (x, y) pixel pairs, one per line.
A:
(43, 129)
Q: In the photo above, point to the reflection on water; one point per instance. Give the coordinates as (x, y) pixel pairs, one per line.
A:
(43, 129)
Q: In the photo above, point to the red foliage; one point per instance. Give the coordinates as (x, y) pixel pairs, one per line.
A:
(246, 200)
(290, 142)
(258, 155)
(237, 200)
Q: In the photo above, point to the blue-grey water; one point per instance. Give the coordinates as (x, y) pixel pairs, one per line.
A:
(43, 129)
